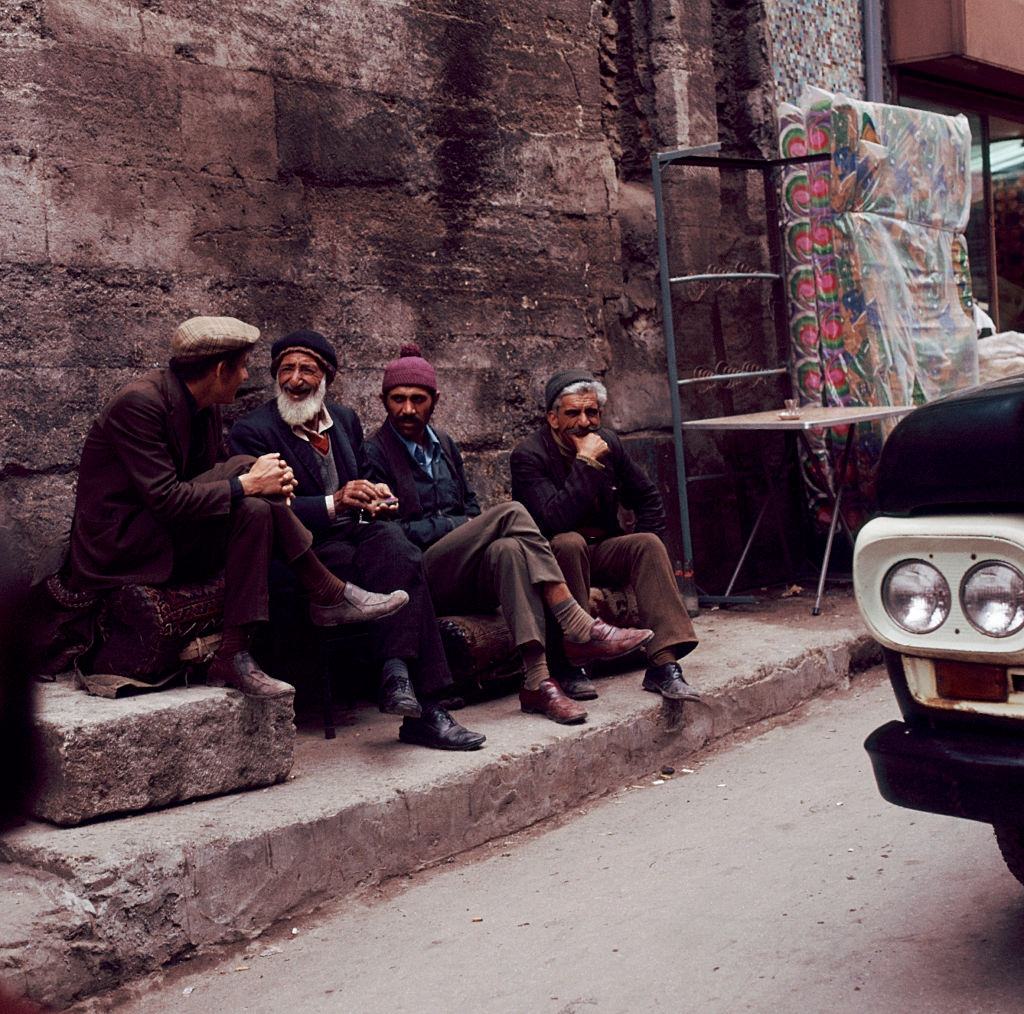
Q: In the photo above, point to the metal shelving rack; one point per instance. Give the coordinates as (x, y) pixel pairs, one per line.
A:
(707, 156)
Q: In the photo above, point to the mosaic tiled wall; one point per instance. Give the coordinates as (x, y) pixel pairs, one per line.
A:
(816, 42)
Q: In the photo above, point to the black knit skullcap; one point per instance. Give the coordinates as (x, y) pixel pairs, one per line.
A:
(561, 380)
(312, 343)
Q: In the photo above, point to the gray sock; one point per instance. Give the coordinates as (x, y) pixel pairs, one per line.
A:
(394, 668)
(536, 666)
(576, 622)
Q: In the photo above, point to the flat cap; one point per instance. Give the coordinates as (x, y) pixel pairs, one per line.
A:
(210, 336)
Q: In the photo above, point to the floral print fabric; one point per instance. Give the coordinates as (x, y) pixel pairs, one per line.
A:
(881, 308)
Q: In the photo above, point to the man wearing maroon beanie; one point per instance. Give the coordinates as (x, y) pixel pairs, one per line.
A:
(477, 559)
(348, 516)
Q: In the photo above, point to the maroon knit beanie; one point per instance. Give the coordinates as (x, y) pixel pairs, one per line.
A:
(410, 369)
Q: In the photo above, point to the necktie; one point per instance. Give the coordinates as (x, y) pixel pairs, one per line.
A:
(421, 458)
(320, 441)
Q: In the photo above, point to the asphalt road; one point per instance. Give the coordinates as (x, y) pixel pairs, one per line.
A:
(772, 878)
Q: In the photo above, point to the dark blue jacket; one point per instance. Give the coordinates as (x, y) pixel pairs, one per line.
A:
(263, 431)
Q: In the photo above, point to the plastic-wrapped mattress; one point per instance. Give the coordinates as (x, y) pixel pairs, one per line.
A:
(881, 310)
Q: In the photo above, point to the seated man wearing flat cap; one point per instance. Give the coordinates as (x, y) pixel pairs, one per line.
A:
(482, 560)
(347, 514)
(573, 475)
(157, 502)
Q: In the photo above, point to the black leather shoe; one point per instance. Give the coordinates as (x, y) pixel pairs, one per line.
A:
(576, 684)
(437, 729)
(397, 696)
(668, 681)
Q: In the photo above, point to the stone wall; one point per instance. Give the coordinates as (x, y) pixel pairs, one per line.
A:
(469, 173)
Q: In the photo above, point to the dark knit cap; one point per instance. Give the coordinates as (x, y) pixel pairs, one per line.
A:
(312, 343)
(560, 381)
(410, 369)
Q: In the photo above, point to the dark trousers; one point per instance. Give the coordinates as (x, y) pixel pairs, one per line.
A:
(378, 557)
(243, 544)
(641, 561)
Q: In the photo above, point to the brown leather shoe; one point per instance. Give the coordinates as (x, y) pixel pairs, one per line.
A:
(549, 700)
(606, 642)
(241, 672)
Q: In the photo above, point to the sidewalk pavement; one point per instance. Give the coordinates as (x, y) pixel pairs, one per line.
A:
(87, 908)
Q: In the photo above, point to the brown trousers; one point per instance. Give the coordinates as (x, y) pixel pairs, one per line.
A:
(243, 544)
(638, 560)
(494, 561)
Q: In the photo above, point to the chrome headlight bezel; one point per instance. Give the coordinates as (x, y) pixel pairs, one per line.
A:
(953, 544)
(939, 589)
(968, 611)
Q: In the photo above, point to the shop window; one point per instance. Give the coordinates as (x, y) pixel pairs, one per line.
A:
(995, 232)
(1006, 164)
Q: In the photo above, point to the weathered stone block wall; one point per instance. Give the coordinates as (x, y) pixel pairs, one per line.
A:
(471, 174)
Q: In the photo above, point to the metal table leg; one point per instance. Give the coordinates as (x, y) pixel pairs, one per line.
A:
(325, 656)
(837, 503)
(750, 541)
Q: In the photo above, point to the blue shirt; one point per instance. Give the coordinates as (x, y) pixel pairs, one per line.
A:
(423, 455)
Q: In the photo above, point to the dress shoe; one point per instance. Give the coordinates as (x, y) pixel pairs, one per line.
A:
(437, 729)
(397, 696)
(668, 681)
(606, 642)
(241, 672)
(548, 700)
(376, 607)
(576, 684)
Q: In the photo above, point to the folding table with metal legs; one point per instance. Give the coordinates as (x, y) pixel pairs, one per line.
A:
(810, 417)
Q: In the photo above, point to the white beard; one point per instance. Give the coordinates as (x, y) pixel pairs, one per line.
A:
(300, 413)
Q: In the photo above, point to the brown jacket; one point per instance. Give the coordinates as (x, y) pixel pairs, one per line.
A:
(134, 482)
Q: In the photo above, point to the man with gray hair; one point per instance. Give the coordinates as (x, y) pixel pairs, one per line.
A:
(572, 476)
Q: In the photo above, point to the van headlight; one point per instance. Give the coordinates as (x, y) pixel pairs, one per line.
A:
(992, 597)
(916, 596)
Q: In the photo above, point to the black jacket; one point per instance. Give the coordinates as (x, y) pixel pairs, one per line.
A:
(444, 505)
(562, 493)
(263, 431)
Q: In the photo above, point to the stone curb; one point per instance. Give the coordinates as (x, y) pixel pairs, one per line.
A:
(99, 905)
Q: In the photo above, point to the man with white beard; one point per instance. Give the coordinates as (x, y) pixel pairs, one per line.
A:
(322, 441)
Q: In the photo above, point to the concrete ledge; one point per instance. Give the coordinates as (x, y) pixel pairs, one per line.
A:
(118, 899)
(101, 757)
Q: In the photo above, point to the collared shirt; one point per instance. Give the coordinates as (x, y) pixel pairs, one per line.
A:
(318, 425)
(423, 454)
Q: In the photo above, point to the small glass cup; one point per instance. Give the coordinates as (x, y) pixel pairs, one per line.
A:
(791, 409)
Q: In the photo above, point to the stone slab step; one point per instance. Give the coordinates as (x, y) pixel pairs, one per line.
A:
(101, 757)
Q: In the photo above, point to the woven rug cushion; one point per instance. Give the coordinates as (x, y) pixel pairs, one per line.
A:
(475, 644)
(480, 645)
(145, 628)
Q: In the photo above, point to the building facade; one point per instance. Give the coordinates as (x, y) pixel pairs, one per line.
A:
(468, 174)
